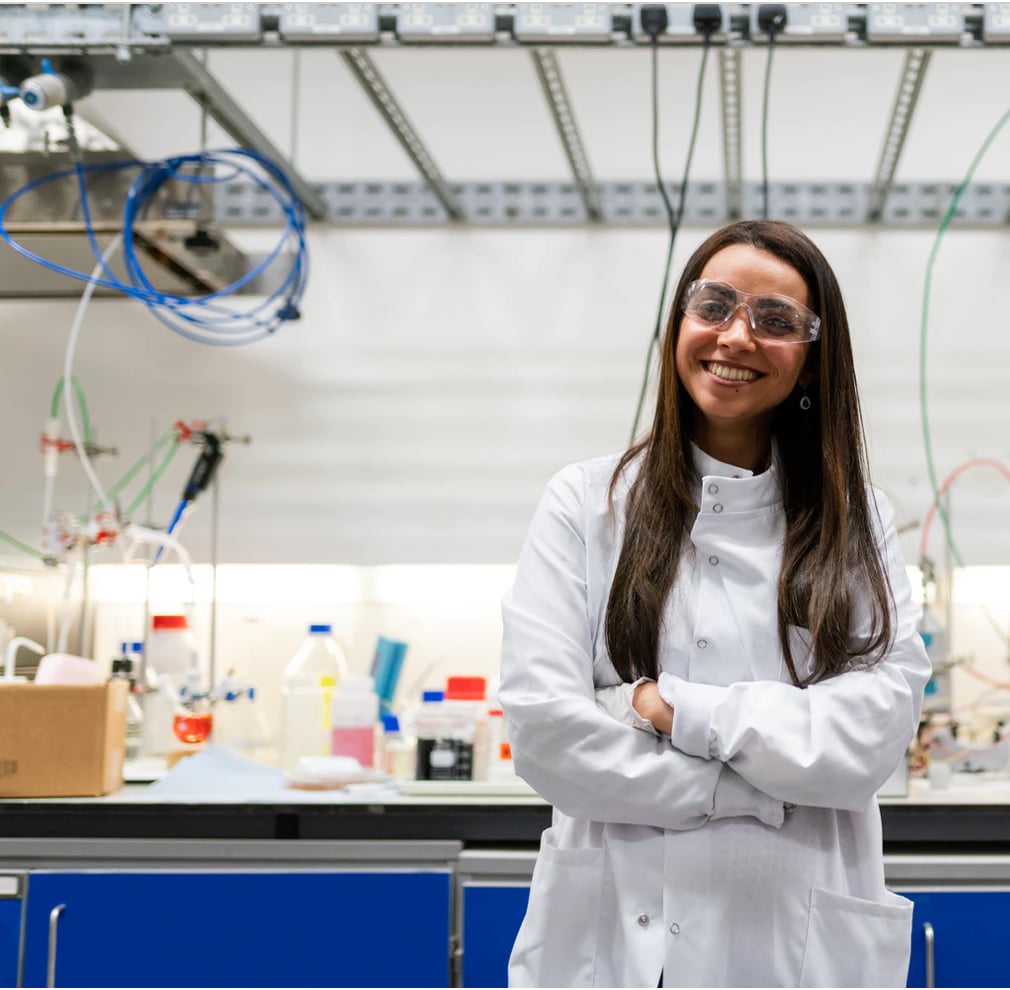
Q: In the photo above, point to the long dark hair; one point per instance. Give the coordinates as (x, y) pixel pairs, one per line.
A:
(829, 549)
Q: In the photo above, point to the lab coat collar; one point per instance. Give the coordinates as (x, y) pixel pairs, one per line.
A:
(745, 488)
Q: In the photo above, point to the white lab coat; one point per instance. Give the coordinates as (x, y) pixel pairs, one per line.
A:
(684, 856)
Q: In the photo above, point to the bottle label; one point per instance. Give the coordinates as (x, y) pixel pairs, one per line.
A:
(444, 759)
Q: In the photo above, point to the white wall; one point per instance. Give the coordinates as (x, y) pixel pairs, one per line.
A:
(438, 378)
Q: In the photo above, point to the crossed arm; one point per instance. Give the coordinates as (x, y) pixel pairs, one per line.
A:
(742, 749)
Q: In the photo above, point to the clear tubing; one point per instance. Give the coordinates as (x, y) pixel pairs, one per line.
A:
(68, 404)
(196, 319)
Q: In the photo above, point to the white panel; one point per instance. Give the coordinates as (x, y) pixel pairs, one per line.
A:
(437, 379)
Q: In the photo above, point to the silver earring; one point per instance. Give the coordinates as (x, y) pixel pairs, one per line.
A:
(805, 402)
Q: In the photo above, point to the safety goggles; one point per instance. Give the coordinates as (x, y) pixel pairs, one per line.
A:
(779, 318)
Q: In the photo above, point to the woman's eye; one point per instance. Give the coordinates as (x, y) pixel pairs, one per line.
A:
(714, 312)
(777, 325)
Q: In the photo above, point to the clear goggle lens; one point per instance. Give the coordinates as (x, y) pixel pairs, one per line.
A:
(771, 317)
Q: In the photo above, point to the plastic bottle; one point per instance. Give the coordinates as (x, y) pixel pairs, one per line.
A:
(157, 735)
(355, 712)
(397, 751)
(171, 649)
(499, 752)
(466, 706)
(310, 678)
(447, 730)
(429, 727)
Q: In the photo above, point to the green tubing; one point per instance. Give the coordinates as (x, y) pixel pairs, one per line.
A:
(149, 487)
(23, 547)
(132, 473)
(927, 286)
(54, 408)
(923, 405)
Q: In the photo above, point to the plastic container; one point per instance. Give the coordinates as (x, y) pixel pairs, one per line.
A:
(398, 755)
(157, 735)
(499, 753)
(171, 649)
(466, 704)
(355, 712)
(310, 678)
(446, 730)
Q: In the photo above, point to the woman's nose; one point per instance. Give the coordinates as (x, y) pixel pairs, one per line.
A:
(739, 331)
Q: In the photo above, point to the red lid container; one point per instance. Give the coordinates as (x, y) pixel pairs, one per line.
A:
(169, 622)
(465, 689)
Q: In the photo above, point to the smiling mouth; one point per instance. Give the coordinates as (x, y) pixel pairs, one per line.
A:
(730, 374)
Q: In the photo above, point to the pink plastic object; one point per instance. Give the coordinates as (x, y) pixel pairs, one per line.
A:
(64, 668)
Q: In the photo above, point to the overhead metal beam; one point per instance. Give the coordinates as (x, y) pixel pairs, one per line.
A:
(729, 85)
(549, 73)
(204, 88)
(905, 100)
(370, 79)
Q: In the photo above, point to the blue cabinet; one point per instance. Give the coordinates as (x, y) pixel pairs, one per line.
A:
(249, 929)
(11, 904)
(491, 916)
(969, 938)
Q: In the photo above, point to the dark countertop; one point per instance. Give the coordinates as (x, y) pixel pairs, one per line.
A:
(923, 823)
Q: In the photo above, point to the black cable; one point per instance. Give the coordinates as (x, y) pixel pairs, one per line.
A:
(764, 125)
(674, 218)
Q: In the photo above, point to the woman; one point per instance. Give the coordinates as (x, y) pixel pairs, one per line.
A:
(710, 662)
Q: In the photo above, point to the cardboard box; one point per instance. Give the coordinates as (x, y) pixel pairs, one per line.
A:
(61, 740)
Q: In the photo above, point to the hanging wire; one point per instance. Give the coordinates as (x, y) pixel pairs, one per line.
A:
(764, 125)
(674, 217)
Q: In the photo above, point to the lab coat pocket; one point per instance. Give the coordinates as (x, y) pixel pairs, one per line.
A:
(852, 942)
(557, 943)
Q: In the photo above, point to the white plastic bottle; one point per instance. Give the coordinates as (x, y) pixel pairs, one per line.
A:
(170, 649)
(157, 736)
(499, 753)
(310, 679)
(355, 713)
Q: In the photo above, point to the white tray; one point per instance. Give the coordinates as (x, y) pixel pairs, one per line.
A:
(465, 788)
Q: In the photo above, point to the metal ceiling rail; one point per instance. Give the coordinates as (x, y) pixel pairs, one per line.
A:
(905, 100)
(549, 73)
(732, 156)
(215, 99)
(138, 27)
(364, 70)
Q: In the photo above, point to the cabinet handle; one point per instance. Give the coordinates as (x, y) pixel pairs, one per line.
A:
(927, 930)
(54, 922)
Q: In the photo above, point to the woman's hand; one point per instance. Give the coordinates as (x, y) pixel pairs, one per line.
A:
(649, 704)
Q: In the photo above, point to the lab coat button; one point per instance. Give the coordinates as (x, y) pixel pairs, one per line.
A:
(717, 507)
(675, 929)
(713, 560)
(713, 489)
(643, 920)
(702, 643)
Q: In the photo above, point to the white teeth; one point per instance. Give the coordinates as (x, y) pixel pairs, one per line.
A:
(732, 374)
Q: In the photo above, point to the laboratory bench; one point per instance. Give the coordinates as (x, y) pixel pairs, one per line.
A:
(382, 889)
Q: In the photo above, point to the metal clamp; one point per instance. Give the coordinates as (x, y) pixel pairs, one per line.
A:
(927, 930)
(54, 921)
